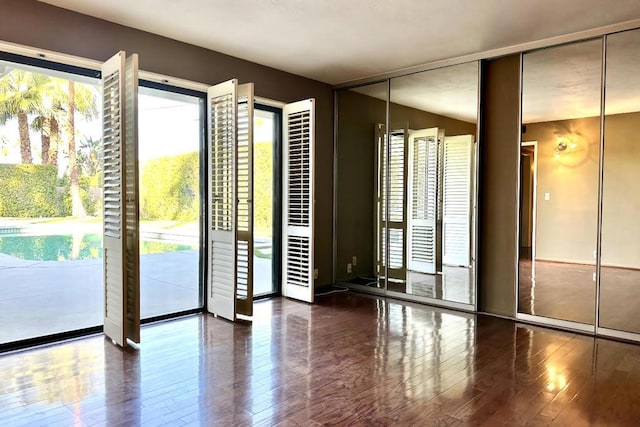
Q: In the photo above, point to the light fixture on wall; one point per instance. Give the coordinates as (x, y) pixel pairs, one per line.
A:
(564, 145)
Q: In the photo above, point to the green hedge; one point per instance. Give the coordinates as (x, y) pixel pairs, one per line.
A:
(29, 191)
(262, 186)
(170, 188)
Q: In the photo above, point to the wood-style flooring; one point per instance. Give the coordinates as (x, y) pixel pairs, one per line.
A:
(349, 359)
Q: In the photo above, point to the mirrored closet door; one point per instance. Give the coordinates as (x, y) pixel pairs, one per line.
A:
(560, 151)
(406, 186)
(362, 113)
(620, 262)
(431, 181)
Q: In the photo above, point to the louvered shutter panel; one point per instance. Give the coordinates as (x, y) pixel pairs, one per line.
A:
(298, 200)
(423, 200)
(132, 201)
(395, 194)
(244, 177)
(120, 226)
(380, 201)
(458, 166)
(221, 206)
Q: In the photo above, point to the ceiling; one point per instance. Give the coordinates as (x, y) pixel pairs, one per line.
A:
(340, 41)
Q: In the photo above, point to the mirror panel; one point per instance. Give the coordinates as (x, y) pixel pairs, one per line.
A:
(360, 140)
(559, 181)
(431, 183)
(620, 262)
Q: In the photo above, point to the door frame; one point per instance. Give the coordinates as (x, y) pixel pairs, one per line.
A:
(534, 202)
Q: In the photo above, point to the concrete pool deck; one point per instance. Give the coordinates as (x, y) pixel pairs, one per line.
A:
(45, 297)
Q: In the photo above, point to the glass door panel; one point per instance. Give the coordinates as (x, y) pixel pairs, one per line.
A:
(51, 274)
(264, 151)
(170, 134)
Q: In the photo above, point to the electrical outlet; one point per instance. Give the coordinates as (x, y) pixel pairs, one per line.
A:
(354, 260)
(348, 268)
(315, 273)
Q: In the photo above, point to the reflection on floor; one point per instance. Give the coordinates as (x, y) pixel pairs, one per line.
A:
(376, 362)
(560, 291)
(567, 292)
(620, 299)
(453, 284)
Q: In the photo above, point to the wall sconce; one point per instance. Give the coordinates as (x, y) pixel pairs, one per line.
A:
(564, 145)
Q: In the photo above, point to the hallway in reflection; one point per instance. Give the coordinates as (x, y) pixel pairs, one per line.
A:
(350, 358)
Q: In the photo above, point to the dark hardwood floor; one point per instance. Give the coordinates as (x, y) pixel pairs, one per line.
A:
(349, 359)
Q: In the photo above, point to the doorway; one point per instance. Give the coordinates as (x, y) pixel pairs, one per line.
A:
(526, 264)
(267, 183)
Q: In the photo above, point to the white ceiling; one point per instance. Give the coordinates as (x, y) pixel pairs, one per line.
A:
(337, 41)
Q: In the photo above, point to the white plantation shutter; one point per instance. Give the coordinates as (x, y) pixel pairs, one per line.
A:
(379, 200)
(221, 212)
(120, 226)
(298, 200)
(423, 189)
(394, 193)
(457, 199)
(244, 212)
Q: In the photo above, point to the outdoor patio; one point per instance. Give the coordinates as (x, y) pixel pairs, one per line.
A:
(45, 297)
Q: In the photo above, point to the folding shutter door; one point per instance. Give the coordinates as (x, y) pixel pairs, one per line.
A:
(380, 204)
(423, 200)
(458, 159)
(221, 212)
(244, 212)
(298, 200)
(121, 254)
(395, 195)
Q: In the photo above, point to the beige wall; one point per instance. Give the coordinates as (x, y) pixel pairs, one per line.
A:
(357, 116)
(498, 192)
(621, 197)
(41, 25)
(566, 224)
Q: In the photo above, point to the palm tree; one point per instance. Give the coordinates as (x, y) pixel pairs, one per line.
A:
(80, 99)
(21, 95)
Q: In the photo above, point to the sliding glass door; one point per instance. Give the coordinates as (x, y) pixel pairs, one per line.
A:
(170, 142)
(50, 200)
(266, 195)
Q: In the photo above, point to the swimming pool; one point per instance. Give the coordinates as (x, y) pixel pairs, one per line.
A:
(73, 247)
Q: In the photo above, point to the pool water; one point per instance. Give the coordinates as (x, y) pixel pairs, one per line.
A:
(71, 247)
